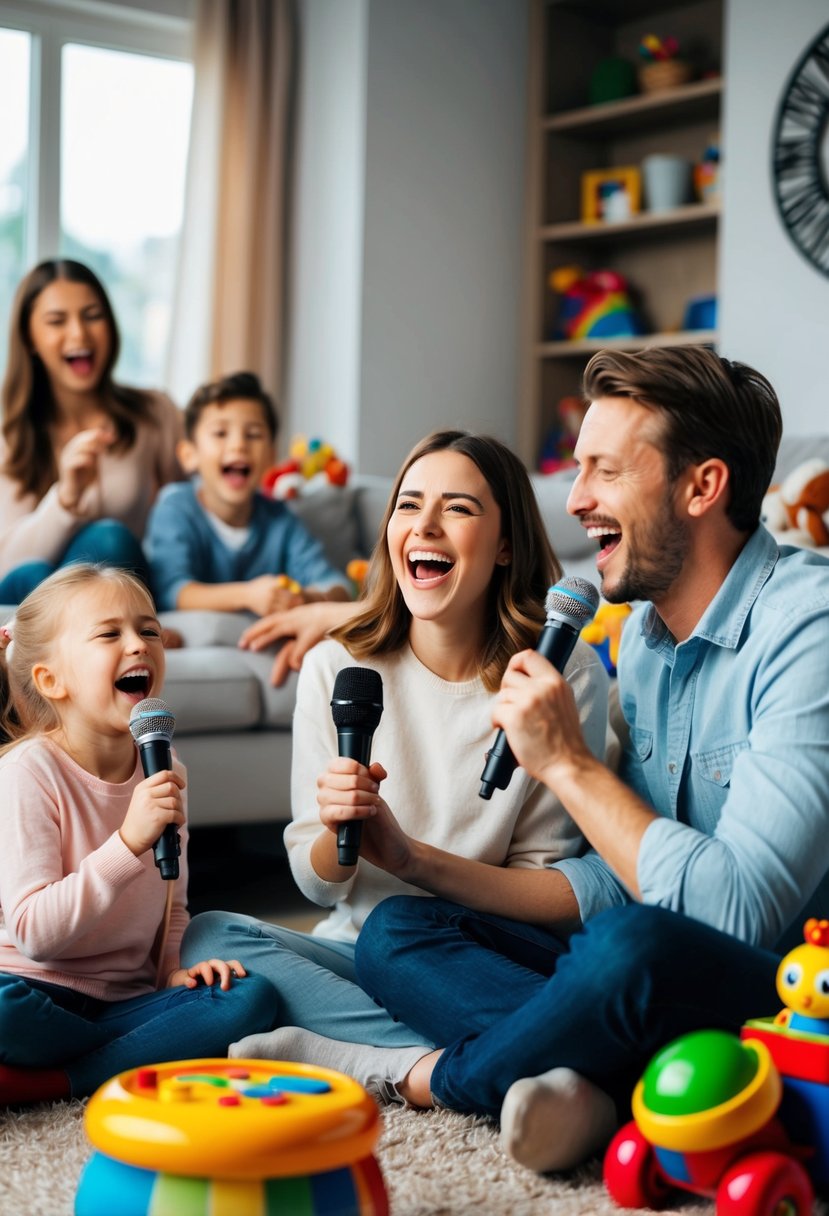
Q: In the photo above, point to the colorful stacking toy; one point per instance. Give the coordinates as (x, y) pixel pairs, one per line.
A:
(217, 1137)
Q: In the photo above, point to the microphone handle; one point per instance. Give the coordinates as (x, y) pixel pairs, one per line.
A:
(556, 643)
(156, 757)
(353, 744)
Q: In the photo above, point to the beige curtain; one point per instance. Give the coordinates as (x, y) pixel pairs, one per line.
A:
(230, 305)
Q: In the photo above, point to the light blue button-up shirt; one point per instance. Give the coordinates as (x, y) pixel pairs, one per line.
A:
(729, 743)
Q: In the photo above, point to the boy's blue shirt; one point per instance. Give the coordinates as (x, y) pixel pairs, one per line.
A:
(729, 743)
(183, 547)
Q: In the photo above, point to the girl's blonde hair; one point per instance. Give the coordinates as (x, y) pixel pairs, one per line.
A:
(515, 608)
(23, 711)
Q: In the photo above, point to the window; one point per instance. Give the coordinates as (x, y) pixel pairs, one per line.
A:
(93, 163)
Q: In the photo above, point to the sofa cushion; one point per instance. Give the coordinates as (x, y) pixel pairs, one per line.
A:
(568, 537)
(209, 689)
(330, 514)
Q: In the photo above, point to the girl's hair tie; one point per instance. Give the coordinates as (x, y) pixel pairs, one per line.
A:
(7, 634)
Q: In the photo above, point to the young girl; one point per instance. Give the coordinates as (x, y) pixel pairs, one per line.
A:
(457, 584)
(81, 458)
(90, 978)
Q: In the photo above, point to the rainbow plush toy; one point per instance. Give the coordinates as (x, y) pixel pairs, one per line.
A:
(597, 304)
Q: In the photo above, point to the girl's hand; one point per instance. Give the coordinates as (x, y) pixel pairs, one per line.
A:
(78, 463)
(156, 802)
(348, 791)
(188, 977)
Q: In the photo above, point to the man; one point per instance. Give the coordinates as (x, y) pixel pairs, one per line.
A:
(720, 808)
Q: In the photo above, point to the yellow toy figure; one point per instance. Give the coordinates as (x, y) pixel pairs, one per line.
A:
(604, 633)
(803, 982)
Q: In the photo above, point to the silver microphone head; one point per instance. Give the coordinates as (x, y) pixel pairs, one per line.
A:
(152, 716)
(573, 600)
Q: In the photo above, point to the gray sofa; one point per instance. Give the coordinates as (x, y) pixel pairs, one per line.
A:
(233, 730)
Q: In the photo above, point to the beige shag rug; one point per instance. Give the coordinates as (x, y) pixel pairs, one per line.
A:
(436, 1163)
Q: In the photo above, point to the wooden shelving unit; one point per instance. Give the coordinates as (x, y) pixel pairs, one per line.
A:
(668, 257)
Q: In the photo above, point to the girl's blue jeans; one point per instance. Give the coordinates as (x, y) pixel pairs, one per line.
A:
(508, 1000)
(50, 1026)
(106, 541)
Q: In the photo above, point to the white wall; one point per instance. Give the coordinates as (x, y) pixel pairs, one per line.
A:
(322, 374)
(775, 305)
(407, 222)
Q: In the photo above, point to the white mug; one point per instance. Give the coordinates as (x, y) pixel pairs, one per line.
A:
(667, 181)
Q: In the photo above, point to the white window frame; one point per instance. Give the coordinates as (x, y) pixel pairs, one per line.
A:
(52, 23)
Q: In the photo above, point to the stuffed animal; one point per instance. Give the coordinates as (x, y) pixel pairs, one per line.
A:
(797, 510)
(309, 459)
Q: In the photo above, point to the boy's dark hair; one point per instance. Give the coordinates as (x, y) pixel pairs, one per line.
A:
(711, 406)
(245, 386)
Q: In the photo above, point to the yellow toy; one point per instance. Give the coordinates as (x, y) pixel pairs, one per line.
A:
(231, 1137)
(605, 633)
(803, 982)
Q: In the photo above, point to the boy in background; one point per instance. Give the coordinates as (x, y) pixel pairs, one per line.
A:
(215, 542)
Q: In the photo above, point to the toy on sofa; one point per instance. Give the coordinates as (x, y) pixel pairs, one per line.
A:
(604, 633)
(797, 510)
(308, 459)
(232, 1136)
(596, 304)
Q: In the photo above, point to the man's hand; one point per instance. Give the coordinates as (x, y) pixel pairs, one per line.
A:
(538, 711)
(212, 968)
(299, 628)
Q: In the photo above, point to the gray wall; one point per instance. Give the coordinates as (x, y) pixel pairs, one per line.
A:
(412, 115)
(775, 305)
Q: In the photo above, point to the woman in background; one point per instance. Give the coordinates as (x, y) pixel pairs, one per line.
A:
(81, 457)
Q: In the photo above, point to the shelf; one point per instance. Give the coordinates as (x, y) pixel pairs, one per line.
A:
(644, 224)
(696, 102)
(577, 349)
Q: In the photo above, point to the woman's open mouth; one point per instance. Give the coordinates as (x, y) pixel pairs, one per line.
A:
(427, 567)
(81, 361)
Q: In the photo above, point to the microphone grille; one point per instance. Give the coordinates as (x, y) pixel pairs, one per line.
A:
(574, 598)
(152, 716)
(358, 697)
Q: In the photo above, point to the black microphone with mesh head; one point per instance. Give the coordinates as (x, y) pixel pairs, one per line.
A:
(356, 707)
(152, 723)
(570, 605)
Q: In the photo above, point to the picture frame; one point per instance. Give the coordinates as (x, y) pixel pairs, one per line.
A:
(610, 195)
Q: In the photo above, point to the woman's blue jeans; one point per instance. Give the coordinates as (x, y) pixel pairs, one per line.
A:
(506, 1006)
(50, 1026)
(106, 541)
(314, 977)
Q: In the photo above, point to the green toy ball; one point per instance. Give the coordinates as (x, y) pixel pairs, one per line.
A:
(697, 1072)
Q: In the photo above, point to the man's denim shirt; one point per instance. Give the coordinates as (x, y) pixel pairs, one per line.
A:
(729, 743)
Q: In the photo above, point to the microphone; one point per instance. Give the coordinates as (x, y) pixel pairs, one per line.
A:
(570, 605)
(152, 723)
(356, 707)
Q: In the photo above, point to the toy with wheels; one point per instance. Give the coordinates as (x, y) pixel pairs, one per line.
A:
(228, 1137)
(797, 1040)
(706, 1120)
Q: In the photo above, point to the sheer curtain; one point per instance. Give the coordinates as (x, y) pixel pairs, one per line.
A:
(229, 311)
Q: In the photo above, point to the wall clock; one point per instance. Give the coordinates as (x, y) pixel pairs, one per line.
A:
(800, 154)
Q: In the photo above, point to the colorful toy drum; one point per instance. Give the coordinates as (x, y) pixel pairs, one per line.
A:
(217, 1137)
